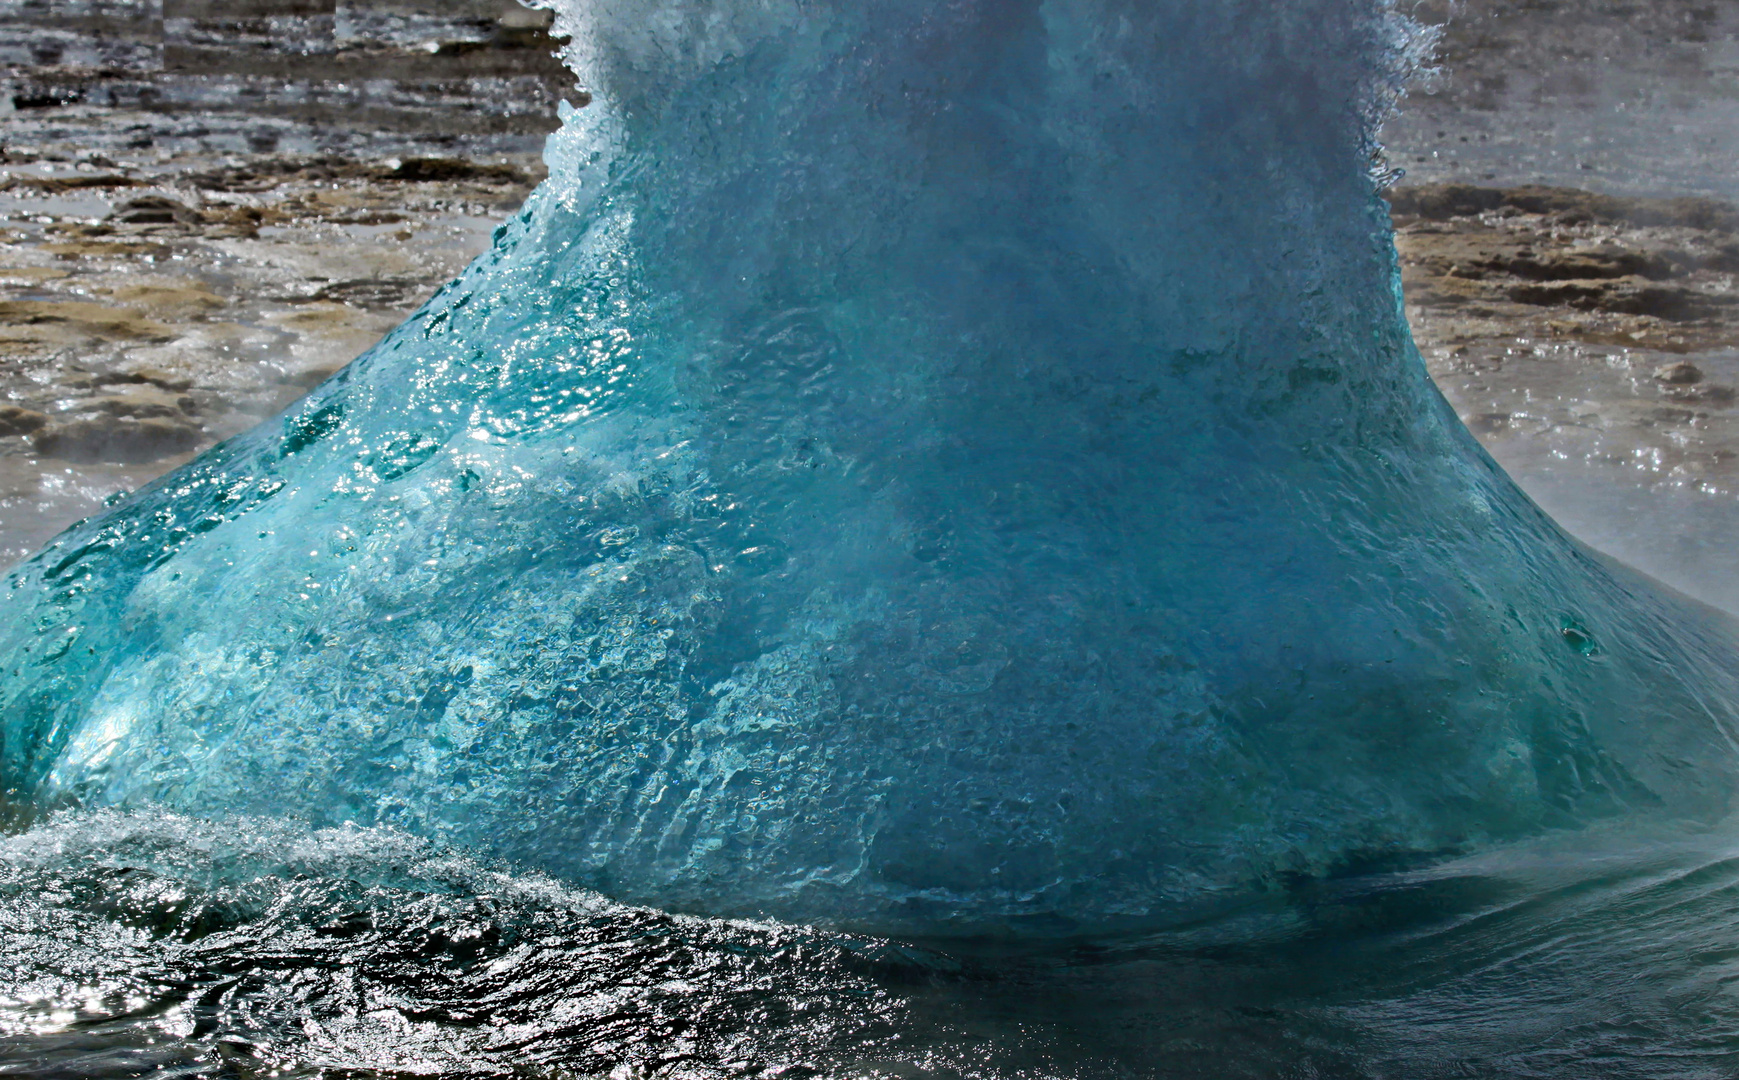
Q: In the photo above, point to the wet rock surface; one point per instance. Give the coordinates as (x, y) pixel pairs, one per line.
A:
(1592, 343)
(205, 209)
(1567, 226)
(1653, 274)
(1632, 96)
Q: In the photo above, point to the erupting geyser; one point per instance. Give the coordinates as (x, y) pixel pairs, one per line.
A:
(912, 463)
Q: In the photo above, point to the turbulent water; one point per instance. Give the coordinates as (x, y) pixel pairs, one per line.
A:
(956, 472)
(150, 944)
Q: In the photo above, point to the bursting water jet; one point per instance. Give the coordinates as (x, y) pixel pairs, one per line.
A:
(912, 465)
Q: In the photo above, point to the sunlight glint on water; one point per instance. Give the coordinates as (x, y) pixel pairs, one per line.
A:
(992, 503)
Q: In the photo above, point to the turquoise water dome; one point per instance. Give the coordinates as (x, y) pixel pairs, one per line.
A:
(949, 465)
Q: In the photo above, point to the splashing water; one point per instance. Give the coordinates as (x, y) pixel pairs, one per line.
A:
(923, 469)
(151, 944)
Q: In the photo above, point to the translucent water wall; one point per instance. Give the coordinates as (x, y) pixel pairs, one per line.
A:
(913, 464)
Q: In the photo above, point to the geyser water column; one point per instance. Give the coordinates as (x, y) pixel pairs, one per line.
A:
(911, 463)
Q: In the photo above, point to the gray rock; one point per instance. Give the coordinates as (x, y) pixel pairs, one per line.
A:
(1682, 373)
(154, 210)
(17, 420)
(140, 402)
(117, 439)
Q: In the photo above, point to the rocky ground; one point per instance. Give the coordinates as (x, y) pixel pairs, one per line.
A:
(1592, 344)
(143, 316)
(1581, 319)
(1555, 320)
(1620, 96)
(206, 207)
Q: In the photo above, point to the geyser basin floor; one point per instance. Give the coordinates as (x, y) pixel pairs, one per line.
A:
(164, 307)
(1622, 99)
(1589, 341)
(202, 220)
(1619, 97)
